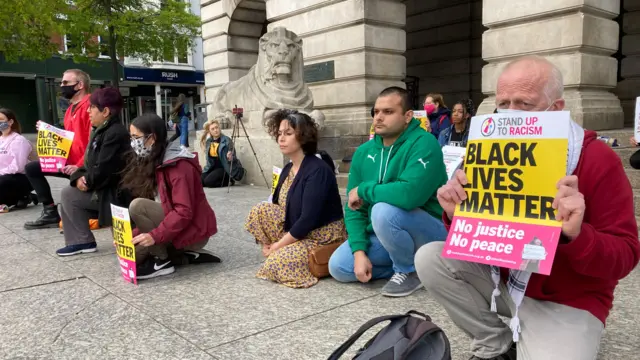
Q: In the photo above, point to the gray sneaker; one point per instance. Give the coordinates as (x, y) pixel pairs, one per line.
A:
(402, 284)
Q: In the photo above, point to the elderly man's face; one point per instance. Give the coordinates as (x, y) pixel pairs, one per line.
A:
(521, 87)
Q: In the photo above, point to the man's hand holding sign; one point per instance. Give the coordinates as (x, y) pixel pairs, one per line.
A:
(569, 204)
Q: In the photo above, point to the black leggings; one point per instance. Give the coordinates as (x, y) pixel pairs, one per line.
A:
(634, 160)
(39, 182)
(13, 187)
(215, 178)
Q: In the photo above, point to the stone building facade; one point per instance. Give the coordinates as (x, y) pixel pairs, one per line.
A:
(355, 48)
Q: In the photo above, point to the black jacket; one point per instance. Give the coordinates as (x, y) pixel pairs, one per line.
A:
(313, 199)
(105, 160)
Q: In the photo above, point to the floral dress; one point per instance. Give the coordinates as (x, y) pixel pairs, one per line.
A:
(289, 265)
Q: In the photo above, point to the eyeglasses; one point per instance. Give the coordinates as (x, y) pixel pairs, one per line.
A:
(66, 83)
(136, 137)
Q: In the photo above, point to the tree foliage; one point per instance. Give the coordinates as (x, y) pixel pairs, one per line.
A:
(145, 29)
(26, 27)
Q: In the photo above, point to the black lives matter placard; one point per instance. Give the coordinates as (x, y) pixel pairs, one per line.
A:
(513, 162)
(53, 145)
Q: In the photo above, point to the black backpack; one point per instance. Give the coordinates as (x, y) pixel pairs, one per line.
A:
(411, 336)
(327, 158)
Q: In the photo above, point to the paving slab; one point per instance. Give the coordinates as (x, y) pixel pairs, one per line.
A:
(50, 243)
(317, 336)
(212, 311)
(104, 270)
(23, 265)
(10, 238)
(4, 231)
(112, 329)
(216, 309)
(33, 318)
(80, 320)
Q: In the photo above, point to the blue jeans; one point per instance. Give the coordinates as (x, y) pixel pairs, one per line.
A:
(184, 131)
(398, 234)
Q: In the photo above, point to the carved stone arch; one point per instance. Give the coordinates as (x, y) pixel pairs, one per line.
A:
(231, 31)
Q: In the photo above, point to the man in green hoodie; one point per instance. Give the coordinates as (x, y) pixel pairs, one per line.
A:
(392, 208)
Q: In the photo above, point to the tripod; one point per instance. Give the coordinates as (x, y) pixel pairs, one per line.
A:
(235, 134)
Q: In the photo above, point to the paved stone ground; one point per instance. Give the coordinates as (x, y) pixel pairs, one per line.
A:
(80, 308)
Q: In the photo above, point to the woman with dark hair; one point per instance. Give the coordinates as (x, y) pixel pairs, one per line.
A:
(458, 133)
(438, 114)
(96, 185)
(14, 155)
(306, 212)
(173, 231)
(180, 112)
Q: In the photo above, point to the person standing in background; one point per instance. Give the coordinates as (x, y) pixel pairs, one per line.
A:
(180, 110)
(437, 112)
(75, 86)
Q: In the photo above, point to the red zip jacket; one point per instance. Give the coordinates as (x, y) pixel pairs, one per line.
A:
(76, 119)
(188, 217)
(586, 271)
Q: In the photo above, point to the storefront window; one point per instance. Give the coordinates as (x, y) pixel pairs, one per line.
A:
(183, 57)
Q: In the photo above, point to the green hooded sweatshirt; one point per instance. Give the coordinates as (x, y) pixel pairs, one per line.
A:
(406, 175)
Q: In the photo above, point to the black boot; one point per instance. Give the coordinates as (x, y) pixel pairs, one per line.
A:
(48, 219)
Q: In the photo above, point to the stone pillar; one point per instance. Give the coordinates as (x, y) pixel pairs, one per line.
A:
(629, 88)
(579, 36)
(203, 98)
(362, 44)
(230, 33)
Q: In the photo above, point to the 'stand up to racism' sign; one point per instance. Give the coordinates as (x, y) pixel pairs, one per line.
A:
(513, 163)
(53, 145)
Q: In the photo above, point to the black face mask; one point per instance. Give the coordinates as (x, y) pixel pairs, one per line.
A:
(68, 91)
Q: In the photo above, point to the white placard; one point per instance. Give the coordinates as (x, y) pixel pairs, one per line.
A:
(453, 157)
(636, 132)
(534, 252)
(521, 125)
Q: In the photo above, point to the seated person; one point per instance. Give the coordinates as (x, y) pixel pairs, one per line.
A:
(75, 87)
(221, 159)
(96, 184)
(392, 208)
(306, 212)
(438, 113)
(173, 231)
(458, 133)
(14, 155)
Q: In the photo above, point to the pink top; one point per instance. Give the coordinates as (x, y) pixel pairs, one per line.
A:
(14, 154)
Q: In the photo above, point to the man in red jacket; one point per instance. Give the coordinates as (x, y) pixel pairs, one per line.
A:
(562, 315)
(75, 87)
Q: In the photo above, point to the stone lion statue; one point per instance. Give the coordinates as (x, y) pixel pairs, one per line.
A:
(275, 82)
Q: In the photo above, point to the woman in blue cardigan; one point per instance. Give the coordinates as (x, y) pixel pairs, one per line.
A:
(306, 212)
